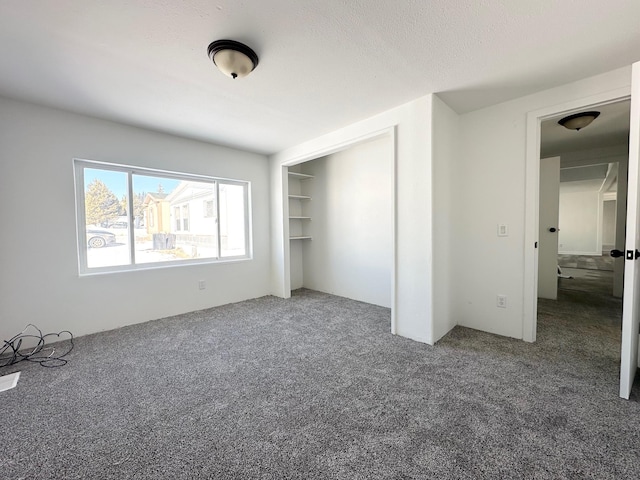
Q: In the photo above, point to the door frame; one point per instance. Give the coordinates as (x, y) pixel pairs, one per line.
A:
(532, 190)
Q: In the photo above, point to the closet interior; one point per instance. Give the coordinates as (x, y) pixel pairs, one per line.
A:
(339, 210)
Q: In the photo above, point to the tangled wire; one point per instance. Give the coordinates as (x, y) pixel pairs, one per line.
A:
(45, 355)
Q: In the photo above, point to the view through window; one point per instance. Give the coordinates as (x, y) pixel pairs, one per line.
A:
(130, 217)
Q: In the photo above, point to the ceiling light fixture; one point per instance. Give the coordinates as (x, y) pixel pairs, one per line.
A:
(232, 58)
(578, 120)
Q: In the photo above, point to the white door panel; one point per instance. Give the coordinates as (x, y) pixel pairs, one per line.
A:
(629, 347)
(548, 240)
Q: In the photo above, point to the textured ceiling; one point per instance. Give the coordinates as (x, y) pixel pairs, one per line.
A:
(610, 129)
(323, 64)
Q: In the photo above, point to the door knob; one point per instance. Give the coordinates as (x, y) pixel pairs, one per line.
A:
(631, 255)
(553, 229)
(616, 253)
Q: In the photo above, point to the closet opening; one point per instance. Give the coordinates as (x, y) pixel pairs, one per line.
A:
(340, 222)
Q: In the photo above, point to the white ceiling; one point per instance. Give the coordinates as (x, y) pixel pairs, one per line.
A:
(323, 64)
(586, 173)
(610, 129)
(581, 186)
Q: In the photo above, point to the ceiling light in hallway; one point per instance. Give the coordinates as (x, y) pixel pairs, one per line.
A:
(578, 120)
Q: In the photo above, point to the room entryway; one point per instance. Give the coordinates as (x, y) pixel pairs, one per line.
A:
(582, 217)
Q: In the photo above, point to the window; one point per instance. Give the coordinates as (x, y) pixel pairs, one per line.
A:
(176, 218)
(149, 216)
(208, 208)
(185, 217)
(131, 218)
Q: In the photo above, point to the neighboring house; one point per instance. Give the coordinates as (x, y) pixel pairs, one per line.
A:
(188, 212)
(193, 213)
(156, 213)
(192, 208)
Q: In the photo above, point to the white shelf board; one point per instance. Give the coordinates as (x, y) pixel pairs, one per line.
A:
(300, 197)
(299, 218)
(303, 237)
(301, 176)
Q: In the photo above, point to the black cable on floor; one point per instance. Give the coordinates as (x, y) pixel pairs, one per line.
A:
(46, 356)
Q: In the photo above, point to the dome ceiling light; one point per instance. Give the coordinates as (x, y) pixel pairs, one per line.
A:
(232, 58)
(578, 120)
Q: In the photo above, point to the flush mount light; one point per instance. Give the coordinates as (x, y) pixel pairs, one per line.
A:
(232, 58)
(578, 120)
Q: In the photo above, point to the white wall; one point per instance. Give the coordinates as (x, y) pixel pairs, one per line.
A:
(491, 186)
(609, 223)
(410, 125)
(39, 280)
(445, 127)
(580, 221)
(297, 263)
(488, 185)
(352, 223)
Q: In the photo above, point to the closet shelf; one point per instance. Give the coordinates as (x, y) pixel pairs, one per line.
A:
(298, 215)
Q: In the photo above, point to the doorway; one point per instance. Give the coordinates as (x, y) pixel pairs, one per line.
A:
(590, 197)
(582, 203)
(533, 155)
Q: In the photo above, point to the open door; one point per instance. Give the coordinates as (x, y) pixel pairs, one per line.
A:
(631, 296)
(548, 232)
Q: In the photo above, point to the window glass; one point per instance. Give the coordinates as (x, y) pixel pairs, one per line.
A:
(208, 209)
(169, 218)
(232, 221)
(168, 239)
(185, 217)
(105, 212)
(176, 219)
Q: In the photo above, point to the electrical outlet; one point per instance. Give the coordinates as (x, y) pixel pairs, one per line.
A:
(501, 301)
(202, 284)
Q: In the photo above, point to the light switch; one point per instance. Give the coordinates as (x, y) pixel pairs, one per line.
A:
(503, 230)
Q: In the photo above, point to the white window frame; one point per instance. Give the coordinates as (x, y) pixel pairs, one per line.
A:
(78, 167)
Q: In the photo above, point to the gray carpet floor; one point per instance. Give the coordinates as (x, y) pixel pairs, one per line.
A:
(589, 262)
(315, 387)
(598, 282)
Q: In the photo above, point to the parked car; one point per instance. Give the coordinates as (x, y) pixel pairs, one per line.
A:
(119, 222)
(118, 225)
(99, 238)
